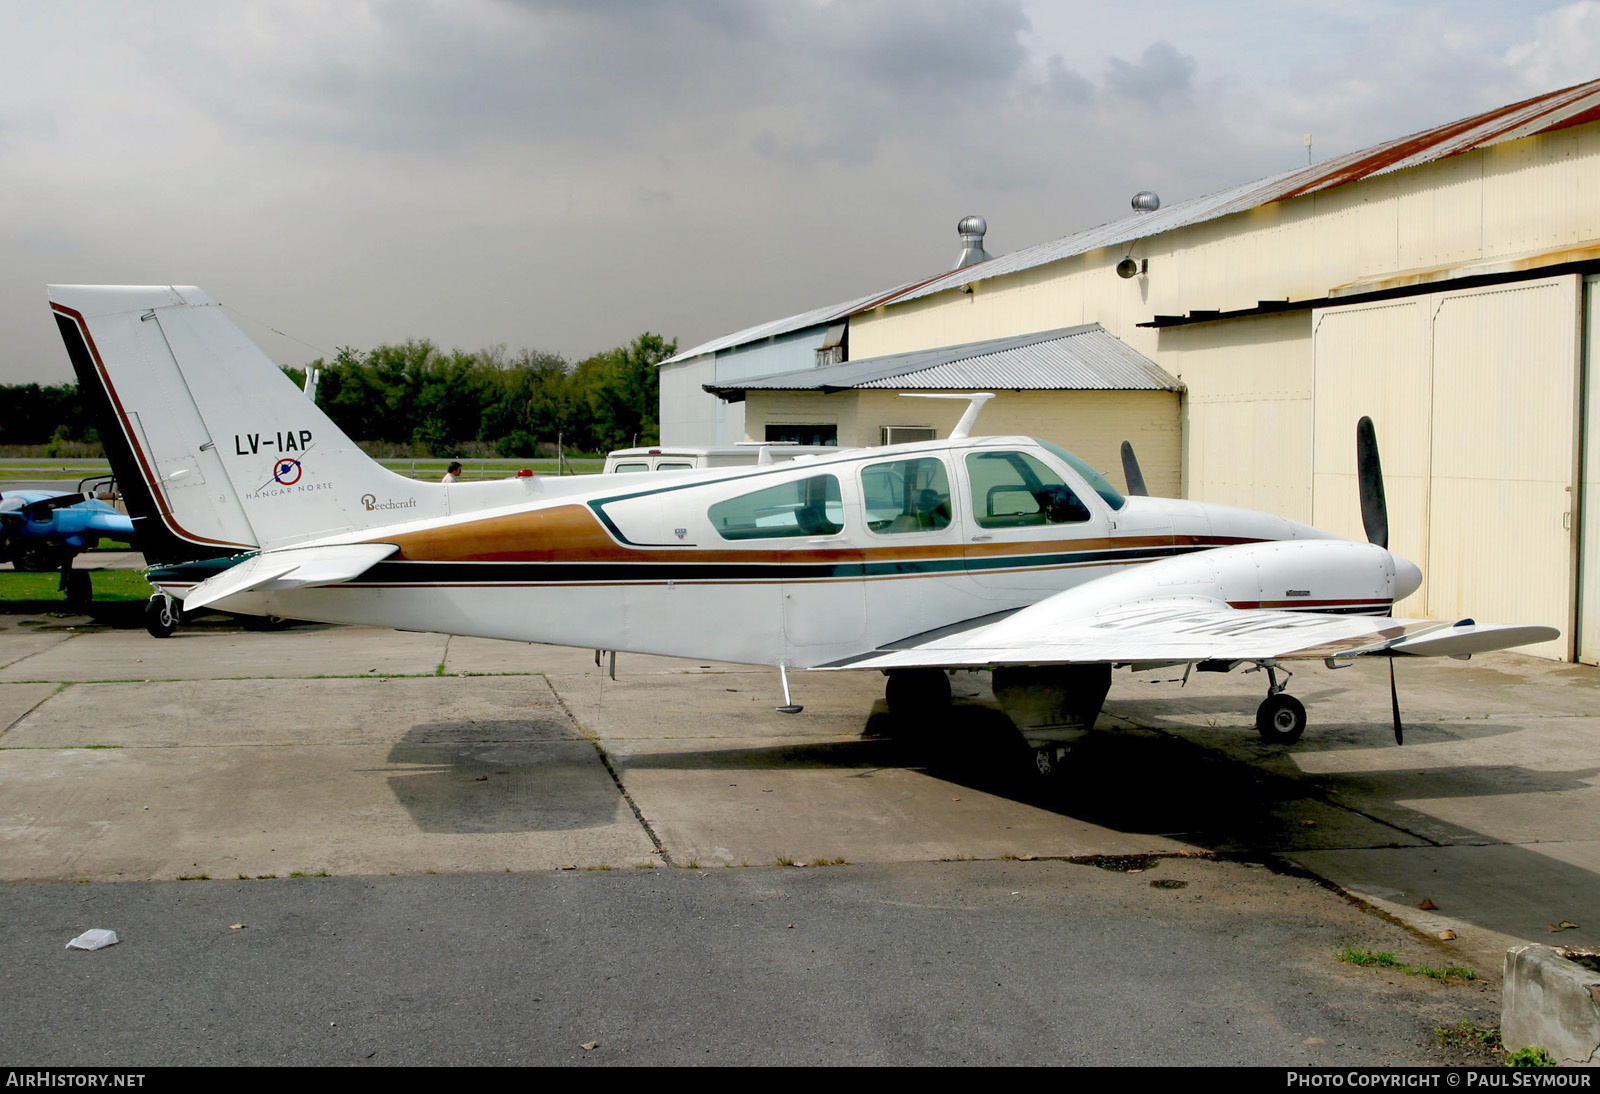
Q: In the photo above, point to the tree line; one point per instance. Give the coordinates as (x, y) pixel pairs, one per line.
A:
(414, 398)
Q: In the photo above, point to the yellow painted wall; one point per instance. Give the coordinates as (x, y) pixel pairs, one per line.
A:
(1091, 424)
(1247, 411)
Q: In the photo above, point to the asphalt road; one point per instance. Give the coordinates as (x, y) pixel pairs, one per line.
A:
(912, 963)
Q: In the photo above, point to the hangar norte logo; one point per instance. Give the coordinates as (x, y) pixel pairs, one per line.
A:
(287, 472)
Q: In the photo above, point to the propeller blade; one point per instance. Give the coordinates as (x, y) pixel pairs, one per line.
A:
(1394, 703)
(1374, 509)
(37, 510)
(1131, 472)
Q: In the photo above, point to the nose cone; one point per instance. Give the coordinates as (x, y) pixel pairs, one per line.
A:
(1407, 577)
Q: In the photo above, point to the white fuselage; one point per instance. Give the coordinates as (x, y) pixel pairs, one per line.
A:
(688, 564)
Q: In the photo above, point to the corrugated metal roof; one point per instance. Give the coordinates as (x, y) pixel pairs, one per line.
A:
(1086, 358)
(1541, 114)
(814, 318)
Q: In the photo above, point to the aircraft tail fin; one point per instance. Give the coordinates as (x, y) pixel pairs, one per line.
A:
(216, 450)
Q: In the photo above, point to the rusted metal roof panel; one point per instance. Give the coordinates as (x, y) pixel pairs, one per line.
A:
(1085, 358)
(1541, 114)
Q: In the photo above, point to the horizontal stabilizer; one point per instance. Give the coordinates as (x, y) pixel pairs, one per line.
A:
(294, 568)
(1469, 638)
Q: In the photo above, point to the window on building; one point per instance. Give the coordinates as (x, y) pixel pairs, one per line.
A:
(804, 434)
(906, 434)
(906, 496)
(1013, 489)
(806, 507)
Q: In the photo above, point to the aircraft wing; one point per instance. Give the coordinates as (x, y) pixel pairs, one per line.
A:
(291, 568)
(1186, 628)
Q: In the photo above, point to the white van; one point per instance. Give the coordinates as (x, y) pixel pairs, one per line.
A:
(690, 457)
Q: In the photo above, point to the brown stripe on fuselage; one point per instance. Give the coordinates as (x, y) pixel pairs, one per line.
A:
(572, 533)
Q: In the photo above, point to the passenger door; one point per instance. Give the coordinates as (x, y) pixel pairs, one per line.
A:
(1035, 527)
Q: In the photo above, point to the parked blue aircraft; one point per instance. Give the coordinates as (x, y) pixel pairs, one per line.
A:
(40, 530)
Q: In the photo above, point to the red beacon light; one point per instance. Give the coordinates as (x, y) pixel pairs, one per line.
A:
(525, 473)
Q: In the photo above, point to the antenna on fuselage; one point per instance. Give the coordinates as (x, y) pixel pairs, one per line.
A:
(975, 403)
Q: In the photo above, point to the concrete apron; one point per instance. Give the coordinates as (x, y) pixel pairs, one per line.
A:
(223, 754)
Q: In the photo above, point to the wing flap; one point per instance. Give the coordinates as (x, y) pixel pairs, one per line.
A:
(292, 568)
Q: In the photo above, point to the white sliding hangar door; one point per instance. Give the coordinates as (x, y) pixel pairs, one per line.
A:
(1475, 395)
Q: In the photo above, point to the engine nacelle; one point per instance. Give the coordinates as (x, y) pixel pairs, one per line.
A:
(1320, 575)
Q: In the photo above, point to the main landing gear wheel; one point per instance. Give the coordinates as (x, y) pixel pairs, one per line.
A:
(917, 693)
(1049, 762)
(37, 558)
(161, 616)
(1281, 719)
(78, 588)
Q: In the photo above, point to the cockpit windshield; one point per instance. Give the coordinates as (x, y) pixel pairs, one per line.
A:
(1097, 482)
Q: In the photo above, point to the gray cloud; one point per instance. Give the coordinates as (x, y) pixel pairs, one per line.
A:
(565, 173)
(1160, 73)
(1066, 85)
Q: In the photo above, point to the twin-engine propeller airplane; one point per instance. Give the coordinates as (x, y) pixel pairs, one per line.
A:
(999, 553)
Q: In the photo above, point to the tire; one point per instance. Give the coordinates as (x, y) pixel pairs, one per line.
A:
(914, 694)
(79, 589)
(161, 616)
(1281, 719)
(37, 557)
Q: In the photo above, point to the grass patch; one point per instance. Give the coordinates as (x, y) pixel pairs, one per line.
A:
(1360, 955)
(41, 592)
(194, 877)
(1531, 1056)
(1466, 1035)
(431, 469)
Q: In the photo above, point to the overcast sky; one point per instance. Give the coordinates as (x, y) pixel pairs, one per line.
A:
(566, 175)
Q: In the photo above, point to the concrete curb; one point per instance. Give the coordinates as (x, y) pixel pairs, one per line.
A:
(1552, 1001)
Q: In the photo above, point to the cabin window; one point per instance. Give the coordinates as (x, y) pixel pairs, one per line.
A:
(1097, 482)
(805, 507)
(1015, 490)
(906, 496)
